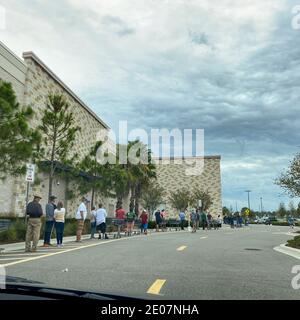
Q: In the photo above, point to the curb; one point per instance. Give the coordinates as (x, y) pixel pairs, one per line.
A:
(293, 252)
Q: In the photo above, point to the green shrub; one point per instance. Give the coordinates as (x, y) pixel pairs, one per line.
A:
(294, 243)
(151, 225)
(70, 228)
(9, 235)
(15, 232)
(280, 223)
(20, 228)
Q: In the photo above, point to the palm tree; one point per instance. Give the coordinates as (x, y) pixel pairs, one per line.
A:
(152, 196)
(146, 173)
(180, 199)
(133, 177)
(97, 176)
(204, 196)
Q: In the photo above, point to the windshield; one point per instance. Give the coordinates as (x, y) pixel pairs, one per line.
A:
(150, 149)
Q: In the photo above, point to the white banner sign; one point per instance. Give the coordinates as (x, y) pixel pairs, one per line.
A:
(30, 172)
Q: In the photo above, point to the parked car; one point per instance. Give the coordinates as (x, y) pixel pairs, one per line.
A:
(262, 220)
(270, 220)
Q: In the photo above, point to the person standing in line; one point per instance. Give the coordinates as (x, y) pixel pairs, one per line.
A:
(101, 215)
(203, 219)
(182, 219)
(130, 216)
(59, 218)
(120, 213)
(234, 221)
(34, 211)
(240, 221)
(50, 207)
(163, 220)
(290, 221)
(197, 219)
(93, 222)
(194, 221)
(219, 221)
(158, 219)
(144, 222)
(80, 217)
(231, 219)
(120, 216)
(209, 221)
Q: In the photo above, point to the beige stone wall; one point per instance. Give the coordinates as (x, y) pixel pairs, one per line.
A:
(173, 176)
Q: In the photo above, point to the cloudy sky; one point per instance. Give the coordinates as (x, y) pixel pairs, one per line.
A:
(229, 67)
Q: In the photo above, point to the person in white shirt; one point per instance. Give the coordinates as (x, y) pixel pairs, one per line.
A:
(100, 216)
(59, 218)
(80, 217)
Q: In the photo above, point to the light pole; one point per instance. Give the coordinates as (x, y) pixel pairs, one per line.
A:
(261, 206)
(248, 191)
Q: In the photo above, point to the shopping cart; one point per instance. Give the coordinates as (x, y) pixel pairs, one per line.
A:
(120, 224)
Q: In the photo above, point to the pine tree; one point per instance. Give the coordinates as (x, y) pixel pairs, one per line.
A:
(281, 212)
(18, 141)
(59, 133)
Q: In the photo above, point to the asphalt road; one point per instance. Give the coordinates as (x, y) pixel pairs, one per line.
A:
(214, 264)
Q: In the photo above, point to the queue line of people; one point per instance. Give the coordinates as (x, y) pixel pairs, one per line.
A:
(56, 213)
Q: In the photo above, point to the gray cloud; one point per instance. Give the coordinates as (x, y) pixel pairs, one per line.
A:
(117, 25)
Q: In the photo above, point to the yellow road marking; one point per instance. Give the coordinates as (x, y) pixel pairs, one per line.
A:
(60, 252)
(156, 286)
(203, 237)
(181, 248)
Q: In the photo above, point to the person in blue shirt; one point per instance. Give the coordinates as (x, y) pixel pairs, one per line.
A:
(290, 221)
(182, 219)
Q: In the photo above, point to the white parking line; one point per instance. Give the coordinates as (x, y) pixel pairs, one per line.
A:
(1, 259)
(60, 252)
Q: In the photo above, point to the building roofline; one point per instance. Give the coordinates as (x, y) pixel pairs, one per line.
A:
(13, 54)
(33, 56)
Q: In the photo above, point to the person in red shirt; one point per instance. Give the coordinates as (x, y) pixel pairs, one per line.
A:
(144, 222)
(120, 213)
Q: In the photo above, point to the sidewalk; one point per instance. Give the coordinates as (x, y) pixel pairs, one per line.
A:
(21, 245)
(293, 252)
